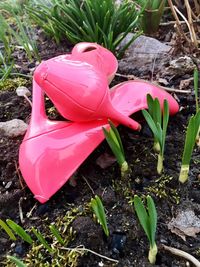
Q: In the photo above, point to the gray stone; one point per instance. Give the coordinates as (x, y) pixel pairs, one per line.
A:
(13, 128)
(144, 53)
(180, 66)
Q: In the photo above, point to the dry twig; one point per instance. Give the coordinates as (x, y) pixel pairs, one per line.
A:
(173, 90)
(182, 254)
(82, 249)
(189, 22)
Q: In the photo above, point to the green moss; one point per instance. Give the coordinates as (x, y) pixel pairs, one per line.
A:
(38, 256)
(12, 84)
(161, 189)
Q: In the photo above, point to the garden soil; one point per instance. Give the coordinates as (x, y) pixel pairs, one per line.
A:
(127, 242)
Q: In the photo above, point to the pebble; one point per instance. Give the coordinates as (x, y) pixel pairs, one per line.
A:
(19, 250)
(118, 242)
(180, 66)
(8, 185)
(13, 128)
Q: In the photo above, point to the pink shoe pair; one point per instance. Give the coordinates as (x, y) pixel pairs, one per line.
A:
(77, 84)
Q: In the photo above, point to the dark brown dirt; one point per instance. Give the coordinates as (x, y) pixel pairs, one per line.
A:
(116, 193)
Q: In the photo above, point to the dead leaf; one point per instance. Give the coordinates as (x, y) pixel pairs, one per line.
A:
(186, 223)
(185, 83)
(105, 160)
(163, 81)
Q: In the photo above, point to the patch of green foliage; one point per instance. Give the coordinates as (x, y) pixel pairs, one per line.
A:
(50, 247)
(99, 211)
(151, 17)
(100, 21)
(147, 216)
(13, 83)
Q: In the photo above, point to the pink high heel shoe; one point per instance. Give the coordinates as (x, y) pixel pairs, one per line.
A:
(53, 150)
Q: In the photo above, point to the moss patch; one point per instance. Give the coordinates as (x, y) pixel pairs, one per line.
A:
(12, 84)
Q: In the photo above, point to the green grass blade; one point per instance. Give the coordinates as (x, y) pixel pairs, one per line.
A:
(99, 211)
(165, 124)
(42, 239)
(117, 136)
(56, 233)
(197, 122)
(114, 145)
(157, 113)
(7, 230)
(20, 231)
(152, 125)
(142, 216)
(104, 22)
(150, 104)
(16, 261)
(196, 86)
(152, 218)
(189, 142)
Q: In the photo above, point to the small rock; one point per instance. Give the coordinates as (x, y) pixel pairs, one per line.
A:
(180, 66)
(118, 242)
(19, 249)
(13, 128)
(142, 54)
(8, 185)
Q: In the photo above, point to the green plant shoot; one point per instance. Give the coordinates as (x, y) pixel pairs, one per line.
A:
(7, 230)
(99, 211)
(56, 233)
(16, 261)
(20, 231)
(196, 88)
(152, 14)
(42, 239)
(114, 140)
(191, 133)
(148, 220)
(100, 21)
(158, 123)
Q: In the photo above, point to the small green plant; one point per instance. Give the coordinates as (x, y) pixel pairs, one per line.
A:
(100, 21)
(16, 261)
(158, 123)
(115, 143)
(5, 39)
(152, 14)
(19, 231)
(48, 247)
(5, 69)
(18, 31)
(191, 134)
(7, 229)
(56, 233)
(148, 220)
(98, 209)
(196, 87)
(41, 239)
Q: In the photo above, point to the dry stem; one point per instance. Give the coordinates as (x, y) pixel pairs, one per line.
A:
(182, 254)
(82, 249)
